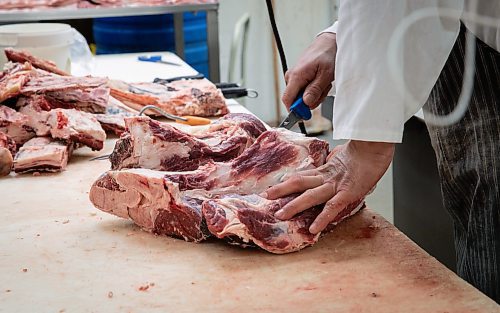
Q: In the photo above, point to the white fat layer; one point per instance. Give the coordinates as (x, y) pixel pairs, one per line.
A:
(148, 187)
(212, 141)
(148, 149)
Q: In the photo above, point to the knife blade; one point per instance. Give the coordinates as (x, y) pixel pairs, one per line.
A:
(298, 111)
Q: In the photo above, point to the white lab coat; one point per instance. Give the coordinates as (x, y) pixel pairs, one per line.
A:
(367, 106)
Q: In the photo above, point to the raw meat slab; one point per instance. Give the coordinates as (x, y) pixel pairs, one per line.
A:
(160, 146)
(170, 203)
(249, 220)
(76, 126)
(15, 125)
(24, 56)
(185, 97)
(13, 78)
(42, 154)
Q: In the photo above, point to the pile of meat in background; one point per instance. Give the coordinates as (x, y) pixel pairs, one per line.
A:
(44, 4)
(45, 113)
(206, 181)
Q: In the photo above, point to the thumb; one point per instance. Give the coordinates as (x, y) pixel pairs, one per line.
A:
(315, 90)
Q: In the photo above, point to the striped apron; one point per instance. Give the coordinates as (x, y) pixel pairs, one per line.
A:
(468, 156)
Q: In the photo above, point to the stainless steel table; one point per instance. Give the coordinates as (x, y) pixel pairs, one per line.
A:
(11, 16)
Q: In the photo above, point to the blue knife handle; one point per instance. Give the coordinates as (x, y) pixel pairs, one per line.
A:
(147, 58)
(301, 109)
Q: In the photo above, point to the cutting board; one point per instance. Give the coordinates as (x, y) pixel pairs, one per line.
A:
(60, 254)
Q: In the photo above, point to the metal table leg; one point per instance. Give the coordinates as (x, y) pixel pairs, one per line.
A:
(179, 34)
(213, 45)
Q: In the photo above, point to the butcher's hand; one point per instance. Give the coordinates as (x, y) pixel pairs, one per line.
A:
(313, 73)
(351, 172)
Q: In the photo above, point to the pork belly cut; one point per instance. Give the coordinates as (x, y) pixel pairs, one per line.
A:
(77, 126)
(155, 145)
(15, 125)
(13, 78)
(249, 220)
(43, 154)
(170, 203)
(7, 151)
(22, 56)
(184, 97)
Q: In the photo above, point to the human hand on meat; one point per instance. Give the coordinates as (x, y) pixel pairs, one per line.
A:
(313, 73)
(351, 172)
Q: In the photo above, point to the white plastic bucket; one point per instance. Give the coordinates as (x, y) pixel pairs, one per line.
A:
(50, 41)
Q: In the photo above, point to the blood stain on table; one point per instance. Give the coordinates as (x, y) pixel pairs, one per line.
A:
(146, 287)
(367, 232)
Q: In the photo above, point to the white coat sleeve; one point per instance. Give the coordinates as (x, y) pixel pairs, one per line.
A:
(331, 29)
(367, 106)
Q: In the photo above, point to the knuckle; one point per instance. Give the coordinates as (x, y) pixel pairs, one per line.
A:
(297, 180)
(315, 89)
(290, 210)
(328, 214)
(292, 73)
(338, 204)
(309, 194)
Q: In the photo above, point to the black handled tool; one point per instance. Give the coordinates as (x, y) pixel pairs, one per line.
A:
(229, 90)
(164, 81)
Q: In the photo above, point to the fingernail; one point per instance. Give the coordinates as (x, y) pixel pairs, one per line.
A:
(263, 194)
(313, 228)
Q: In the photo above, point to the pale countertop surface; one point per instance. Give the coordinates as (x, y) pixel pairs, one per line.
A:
(128, 68)
(60, 254)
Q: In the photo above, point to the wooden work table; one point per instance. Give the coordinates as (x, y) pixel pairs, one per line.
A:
(60, 254)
